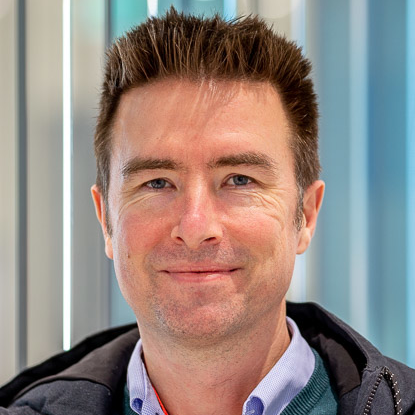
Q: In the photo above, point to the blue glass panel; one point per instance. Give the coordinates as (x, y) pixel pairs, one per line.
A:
(387, 176)
(120, 311)
(165, 5)
(331, 67)
(410, 297)
(126, 14)
(206, 7)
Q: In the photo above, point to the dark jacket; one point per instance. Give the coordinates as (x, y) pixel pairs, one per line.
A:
(89, 379)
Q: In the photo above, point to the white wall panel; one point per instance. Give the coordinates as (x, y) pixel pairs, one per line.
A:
(44, 97)
(8, 190)
(91, 268)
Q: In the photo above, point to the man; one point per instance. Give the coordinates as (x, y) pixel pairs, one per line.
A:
(207, 189)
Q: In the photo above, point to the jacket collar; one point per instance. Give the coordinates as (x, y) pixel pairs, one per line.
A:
(103, 358)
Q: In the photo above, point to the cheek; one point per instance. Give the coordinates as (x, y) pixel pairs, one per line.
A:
(271, 241)
(137, 233)
(134, 237)
(263, 229)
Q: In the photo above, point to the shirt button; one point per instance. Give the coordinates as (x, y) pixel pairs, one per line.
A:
(254, 406)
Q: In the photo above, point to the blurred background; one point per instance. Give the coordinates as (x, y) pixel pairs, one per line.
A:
(57, 286)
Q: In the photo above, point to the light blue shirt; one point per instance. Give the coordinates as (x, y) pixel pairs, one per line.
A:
(275, 391)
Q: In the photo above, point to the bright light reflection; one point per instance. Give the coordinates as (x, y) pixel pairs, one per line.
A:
(67, 173)
(152, 8)
(230, 9)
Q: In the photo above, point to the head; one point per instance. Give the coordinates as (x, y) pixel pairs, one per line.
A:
(198, 49)
(207, 185)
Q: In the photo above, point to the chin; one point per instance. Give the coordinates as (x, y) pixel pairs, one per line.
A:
(201, 325)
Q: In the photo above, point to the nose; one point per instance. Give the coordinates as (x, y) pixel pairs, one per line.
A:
(199, 222)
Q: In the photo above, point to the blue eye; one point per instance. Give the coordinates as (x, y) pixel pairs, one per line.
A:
(157, 184)
(240, 180)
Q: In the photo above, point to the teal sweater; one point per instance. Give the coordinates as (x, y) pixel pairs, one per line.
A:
(316, 398)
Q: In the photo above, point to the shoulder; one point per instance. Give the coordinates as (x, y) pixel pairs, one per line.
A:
(359, 373)
(84, 380)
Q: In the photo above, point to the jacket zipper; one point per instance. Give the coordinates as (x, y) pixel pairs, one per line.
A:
(386, 374)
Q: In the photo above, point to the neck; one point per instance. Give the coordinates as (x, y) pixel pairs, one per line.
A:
(217, 376)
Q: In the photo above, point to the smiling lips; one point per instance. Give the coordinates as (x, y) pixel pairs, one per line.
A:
(200, 274)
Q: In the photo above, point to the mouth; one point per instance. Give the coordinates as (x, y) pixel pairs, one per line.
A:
(200, 274)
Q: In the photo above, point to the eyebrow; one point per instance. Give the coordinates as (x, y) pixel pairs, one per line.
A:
(248, 159)
(138, 164)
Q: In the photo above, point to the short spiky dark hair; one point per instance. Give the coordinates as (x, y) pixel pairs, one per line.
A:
(196, 48)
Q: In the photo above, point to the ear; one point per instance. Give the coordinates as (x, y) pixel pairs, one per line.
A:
(101, 215)
(312, 200)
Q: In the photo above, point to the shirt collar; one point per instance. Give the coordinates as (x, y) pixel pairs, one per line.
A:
(143, 400)
(286, 378)
(275, 391)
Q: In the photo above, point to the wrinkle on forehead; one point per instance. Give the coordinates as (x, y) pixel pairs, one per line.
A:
(209, 97)
(189, 109)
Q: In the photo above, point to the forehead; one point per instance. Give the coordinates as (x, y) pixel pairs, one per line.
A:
(213, 115)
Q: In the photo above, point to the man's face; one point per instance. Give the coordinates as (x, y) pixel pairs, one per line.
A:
(202, 204)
